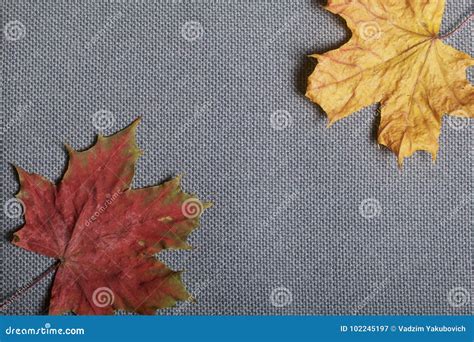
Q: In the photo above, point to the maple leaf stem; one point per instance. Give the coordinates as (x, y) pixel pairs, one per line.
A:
(28, 286)
(464, 22)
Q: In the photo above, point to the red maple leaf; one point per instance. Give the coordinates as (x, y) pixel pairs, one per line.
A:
(104, 234)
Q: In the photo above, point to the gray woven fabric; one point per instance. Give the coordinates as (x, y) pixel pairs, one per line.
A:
(307, 220)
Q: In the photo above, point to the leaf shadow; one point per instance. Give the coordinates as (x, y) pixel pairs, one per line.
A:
(374, 132)
(307, 64)
(8, 235)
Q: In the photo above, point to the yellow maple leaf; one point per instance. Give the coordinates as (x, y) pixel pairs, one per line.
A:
(396, 57)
